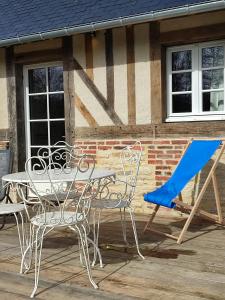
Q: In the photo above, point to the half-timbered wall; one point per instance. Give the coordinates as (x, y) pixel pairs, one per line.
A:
(117, 63)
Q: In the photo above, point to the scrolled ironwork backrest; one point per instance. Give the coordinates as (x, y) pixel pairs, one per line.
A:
(130, 158)
(122, 188)
(61, 195)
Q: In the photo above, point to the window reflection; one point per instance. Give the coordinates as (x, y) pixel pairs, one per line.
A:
(37, 80)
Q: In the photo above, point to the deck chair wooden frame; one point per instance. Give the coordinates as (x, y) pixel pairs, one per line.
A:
(194, 210)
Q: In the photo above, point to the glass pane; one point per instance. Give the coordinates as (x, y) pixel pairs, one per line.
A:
(37, 80)
(212, 79)
(57, 131)
(181, 103)
(39, 133)
(213, 101)
(181, 82)
(55, 79)
(56, 106)
(181, 60)
(212, 57)
(38, 107)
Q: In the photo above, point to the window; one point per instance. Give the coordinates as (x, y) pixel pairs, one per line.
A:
(45, 121)
(195, 82)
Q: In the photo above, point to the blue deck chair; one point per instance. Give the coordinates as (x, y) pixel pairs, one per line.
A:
(196, 156)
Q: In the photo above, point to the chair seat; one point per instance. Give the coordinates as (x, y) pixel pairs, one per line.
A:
(11, 208)
(62, 196)
(108, 203)
(56, 219)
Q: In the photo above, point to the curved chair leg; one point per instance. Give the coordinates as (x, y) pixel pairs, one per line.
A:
(84, 245)
(29, 250)
(135, 232)
(39, 235)
(3, 222)
(96, 234)
(123, 223)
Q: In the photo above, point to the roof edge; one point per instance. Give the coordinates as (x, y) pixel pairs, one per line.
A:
(136, 19)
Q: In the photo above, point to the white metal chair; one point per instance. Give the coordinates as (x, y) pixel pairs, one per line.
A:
(8, 207)
(119, 193)
(54, 207)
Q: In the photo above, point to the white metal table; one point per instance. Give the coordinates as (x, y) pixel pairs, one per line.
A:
(22, 177)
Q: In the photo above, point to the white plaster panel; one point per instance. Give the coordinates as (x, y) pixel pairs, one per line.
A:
(3, 94)
(99, 61)
(142, 74)
(120, 73)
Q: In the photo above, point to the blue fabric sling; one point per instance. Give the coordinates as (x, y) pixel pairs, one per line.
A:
(195, 158)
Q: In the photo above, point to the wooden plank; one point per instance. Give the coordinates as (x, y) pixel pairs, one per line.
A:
(39, 56)
(155, 73)
(197, 34)
(11, 91)
(109, 67)
(96, 92)
(164, 130)
(89, 55)
(85, 112)
(21, 135)
(131, 75)
(69, 88)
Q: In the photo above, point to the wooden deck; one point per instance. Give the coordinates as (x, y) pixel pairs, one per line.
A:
(193, 270)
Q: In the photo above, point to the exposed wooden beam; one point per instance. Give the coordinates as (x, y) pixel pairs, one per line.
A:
(98, 95)
(21, 136)
(39, 56)
(89, 55)
(164, 130)
(11, 92)
(85, 112)
(69, 87)
(109, 67)
(155, 73)
(197, 34)
(131, 75)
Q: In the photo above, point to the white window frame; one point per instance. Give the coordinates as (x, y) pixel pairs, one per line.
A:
(27, 107)
(197, 114)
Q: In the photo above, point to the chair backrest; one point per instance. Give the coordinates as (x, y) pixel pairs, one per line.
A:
(5, 168)
(122, 188)
(194, 159)
(60, 170)
(130, 158)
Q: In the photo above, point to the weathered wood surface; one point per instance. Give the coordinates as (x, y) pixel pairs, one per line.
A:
(194, 270)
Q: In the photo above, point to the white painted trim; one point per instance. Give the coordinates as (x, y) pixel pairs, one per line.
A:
(197, 114)
(26, 104)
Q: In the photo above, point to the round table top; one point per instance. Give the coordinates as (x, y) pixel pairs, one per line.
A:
(22, 177)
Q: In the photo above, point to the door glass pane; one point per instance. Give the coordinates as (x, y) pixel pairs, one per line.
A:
(181, 103)
(55, 78)
(39, 133)
(56, 106)
(213, 101)
(212, 79)
(37, 80)
(181, 60)
(181, 82)
(212, 57)
(57, 131)
(38, 107)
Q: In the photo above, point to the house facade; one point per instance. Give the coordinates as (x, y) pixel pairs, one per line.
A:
(155, 75)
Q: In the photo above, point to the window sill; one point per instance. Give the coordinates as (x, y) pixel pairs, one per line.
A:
(195, 118)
